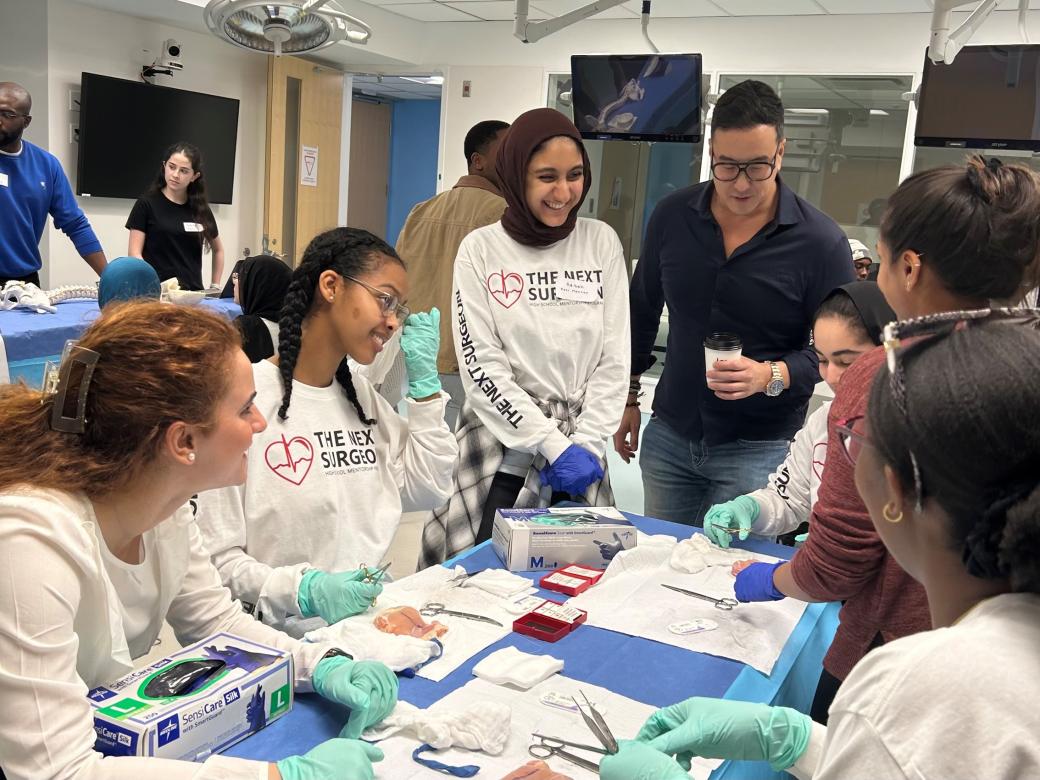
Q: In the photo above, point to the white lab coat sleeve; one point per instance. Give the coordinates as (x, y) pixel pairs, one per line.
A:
(853, 745)
(607, 388)
(48, 731)
(273, 590)
(204, 607)
(423, 450)
(483, 361)
(805, 767)
(786, 502)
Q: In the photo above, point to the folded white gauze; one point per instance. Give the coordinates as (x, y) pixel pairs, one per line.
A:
(480, 726)
(698, 553)
(365, 642)
(499, 582)
(511, 666)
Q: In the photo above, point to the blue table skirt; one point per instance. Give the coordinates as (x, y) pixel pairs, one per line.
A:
(653, 673)
(32, 339)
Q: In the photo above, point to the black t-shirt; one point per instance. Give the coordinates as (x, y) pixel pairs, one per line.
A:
(172, 239)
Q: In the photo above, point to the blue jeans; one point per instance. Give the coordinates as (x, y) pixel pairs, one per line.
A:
(682, 479)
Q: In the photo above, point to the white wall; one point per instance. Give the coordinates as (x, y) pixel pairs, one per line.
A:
(83, 38)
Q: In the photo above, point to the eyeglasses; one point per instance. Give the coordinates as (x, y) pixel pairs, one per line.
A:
(755, 171)
(8, 116)
(387, 302)
(852, 435)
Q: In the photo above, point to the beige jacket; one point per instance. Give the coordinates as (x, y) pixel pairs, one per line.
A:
(429, 242)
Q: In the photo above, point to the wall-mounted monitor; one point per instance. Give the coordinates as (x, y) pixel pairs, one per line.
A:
(125, 126)
(987, 99)
(637, 97)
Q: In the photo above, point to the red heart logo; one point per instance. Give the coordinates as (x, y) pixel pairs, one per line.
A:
(290, 459)
(505, 288)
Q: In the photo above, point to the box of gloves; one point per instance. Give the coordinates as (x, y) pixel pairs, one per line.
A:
(537, 539)
(194, 702)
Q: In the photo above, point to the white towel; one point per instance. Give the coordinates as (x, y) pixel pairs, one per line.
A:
(478, 726)
(499, 582)
(365, 642)
(510, 666)
(697, 553)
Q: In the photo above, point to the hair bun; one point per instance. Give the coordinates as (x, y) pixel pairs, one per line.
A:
(982, 547)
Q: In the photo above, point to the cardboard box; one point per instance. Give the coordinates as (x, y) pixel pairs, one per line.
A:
(538, 539)
(254, 688)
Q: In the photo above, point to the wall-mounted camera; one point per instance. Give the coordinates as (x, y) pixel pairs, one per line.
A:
(171, 55)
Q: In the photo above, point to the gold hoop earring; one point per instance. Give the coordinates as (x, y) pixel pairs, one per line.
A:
(889, 512)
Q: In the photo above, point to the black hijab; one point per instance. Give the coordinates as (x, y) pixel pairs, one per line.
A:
(525, 135)
(262, 283)
(873, 309)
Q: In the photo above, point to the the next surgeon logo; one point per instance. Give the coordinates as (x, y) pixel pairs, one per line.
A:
(546, 288)
(337, 452)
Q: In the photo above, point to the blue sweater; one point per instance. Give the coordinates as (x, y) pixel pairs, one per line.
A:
(33, 185)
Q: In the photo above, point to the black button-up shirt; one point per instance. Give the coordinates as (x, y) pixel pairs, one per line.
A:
(767, 292)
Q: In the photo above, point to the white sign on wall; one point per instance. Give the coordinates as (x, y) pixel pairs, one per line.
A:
(309, 166)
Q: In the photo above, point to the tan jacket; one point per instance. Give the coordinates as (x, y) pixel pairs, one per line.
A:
(429, 242)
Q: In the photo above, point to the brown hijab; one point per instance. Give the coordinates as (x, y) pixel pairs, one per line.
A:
(525, 135)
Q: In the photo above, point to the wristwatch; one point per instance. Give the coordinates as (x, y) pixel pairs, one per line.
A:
(334, 652)
(775, 385)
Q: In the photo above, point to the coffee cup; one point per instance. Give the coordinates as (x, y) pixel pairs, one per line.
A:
(720, 346)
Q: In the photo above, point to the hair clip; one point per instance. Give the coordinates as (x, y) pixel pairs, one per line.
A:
(75, 357)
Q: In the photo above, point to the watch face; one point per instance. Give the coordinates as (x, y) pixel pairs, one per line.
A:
(775, 387)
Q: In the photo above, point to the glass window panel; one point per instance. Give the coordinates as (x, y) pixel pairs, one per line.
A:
(926, 157)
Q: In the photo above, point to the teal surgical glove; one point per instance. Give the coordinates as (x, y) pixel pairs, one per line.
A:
(717, 728)
(740, 513)
(336, 759)
(420, 341)
(639, 761)
(333, 597)
(367, 688)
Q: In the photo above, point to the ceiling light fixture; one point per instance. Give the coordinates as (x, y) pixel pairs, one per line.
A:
(288, 27)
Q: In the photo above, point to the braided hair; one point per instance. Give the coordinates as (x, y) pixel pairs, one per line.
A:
(971, 426)
(349, 252)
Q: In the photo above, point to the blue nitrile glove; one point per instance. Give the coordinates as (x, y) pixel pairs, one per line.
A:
(738, 730)
(420, 342)
(573, 471)
(638, 761)
(755, 583)
(333, 597)
(740, 513)
(368, 688)
(239, 657)
(256, 712)
(336, 759)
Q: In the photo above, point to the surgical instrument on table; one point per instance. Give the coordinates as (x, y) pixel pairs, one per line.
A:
(723, 604)
(553, 741)
(436, 608)
(596, 724)
(547, 747)
(461, 579)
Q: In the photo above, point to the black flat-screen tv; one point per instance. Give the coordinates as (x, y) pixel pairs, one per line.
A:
(637, 97)
(125, 126)
(988, 98)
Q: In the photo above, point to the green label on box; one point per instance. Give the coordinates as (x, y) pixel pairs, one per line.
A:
(123, 708)
(280, 701)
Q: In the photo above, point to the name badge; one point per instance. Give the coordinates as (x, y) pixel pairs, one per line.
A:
(3, 180)
(192, 227)
(575, 290)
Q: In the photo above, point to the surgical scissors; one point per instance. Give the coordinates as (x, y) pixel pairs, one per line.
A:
(723, 604)
(436, 608)
(548, 747)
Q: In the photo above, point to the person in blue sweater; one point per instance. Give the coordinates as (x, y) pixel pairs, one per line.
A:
(33, 185)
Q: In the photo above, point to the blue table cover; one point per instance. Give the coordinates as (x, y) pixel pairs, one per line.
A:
(638, 668)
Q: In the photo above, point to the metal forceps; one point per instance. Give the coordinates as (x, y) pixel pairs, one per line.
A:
(723, 604)
(377, 574)
(547, 747)
(435, 608)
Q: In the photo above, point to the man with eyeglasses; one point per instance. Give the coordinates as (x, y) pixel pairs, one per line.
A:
(33, 185)
(741, 254)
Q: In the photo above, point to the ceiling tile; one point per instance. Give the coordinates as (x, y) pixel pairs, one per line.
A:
(770, 7)
(876, 6)
(554, 8)
(431, 12)
(488, 10)
(678, 8)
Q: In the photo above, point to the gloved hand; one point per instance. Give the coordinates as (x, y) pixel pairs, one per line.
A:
(256, 712)
(335, 759)
(717, 728)
(802, 538)
(638, 761)
(573, 471)
(333, 597)
(420, 341)
(740, 513)
(608, 550)
(755, 583)
(368, 688)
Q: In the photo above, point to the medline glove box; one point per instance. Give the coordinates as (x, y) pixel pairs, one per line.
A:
(536, 539)
(132, 717)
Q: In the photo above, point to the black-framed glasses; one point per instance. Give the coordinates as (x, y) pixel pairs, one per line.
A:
(756, 170)
(390, 304)
(852, 434)
(7, 116)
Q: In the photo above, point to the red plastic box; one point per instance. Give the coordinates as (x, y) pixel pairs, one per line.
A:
(550, 622)
(571, 579)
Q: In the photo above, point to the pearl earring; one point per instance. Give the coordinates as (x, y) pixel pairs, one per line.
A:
(191, 457)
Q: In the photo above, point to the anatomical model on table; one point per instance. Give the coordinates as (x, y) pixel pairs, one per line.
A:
(406, 621)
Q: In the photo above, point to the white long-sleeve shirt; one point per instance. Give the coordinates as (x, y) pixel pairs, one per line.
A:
(323, 490)
(543, 323)
(955, 702)
(61, 633)
(788, 500)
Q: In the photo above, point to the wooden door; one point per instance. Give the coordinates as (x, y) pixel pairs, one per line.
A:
(301, 197)
(369, 166)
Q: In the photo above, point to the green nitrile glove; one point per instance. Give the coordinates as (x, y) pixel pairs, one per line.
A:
(638, 761)
(336, 759)
(367, 688)
(420, 342)
(737, 730)
(740, 513)
(333, 597)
